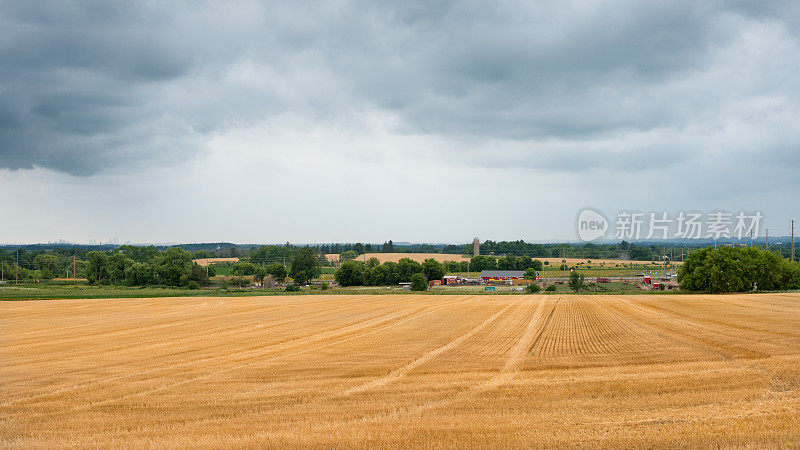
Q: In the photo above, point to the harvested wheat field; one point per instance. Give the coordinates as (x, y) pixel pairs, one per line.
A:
(395, 257)
(402, 370)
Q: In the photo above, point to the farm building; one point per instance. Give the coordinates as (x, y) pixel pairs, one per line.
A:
(489, 276)
(451, 279)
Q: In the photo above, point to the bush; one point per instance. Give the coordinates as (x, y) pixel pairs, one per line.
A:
(351, 273)
(533, 288)
(418, 282)
(323, 286)
(193, 285)
(551, 288)
(292, 288)
(240, 282)
(243, 268)
(576, 281)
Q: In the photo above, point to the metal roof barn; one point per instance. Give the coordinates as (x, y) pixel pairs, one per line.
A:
(502, 274)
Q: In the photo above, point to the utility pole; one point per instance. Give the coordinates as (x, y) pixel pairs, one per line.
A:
(792, 257)
(16, 272)
(751, 238)
(767, 239)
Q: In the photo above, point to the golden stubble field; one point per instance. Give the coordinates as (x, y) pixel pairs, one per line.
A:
(402, 370)
(443, 257)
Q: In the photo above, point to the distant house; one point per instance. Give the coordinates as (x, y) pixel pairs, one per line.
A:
(489, 276)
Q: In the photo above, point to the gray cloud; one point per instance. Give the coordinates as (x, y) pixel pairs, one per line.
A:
(87, 87)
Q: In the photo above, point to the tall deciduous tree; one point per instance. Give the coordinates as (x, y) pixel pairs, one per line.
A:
(576, 281)
(305, 265)
(433, 270)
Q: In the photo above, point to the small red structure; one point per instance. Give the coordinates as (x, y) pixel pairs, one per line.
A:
(451, 279)
(603, 280)
(435, 283)
(647, 279)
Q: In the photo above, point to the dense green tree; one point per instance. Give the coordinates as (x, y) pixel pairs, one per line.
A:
(267, 254)
(118, 263)
(278, 271)
(47, 264)
(452, 266)
(790, 275)
(358, 248)
(482, 262)
(242, 268)
(97, 272)
(530, 274)
(418, 282)
(261, 273)
(305, 265)
(729, 269)
(173, 264)
(373, 262)
(576, 281)
(384, 275)
(537, 265)
(197, 274)
(347, 256)
(350, 273)
(523, 263)
(146, 254)
(432, 269)
(140, 274)
(407, 267)
(509, 262)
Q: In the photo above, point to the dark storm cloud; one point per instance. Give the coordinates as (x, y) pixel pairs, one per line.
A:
(86, 86)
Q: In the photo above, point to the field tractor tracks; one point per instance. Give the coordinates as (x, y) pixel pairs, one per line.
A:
(243, 354)
(512, 366)
(294, 347)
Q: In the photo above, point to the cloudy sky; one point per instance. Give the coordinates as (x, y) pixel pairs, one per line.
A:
(366, 121)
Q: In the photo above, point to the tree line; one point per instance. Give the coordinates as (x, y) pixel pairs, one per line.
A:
(172, 267)
(737, 269)
(373, 273)
(304, 264)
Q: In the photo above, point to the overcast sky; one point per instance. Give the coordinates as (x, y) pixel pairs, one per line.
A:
(367, 121)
